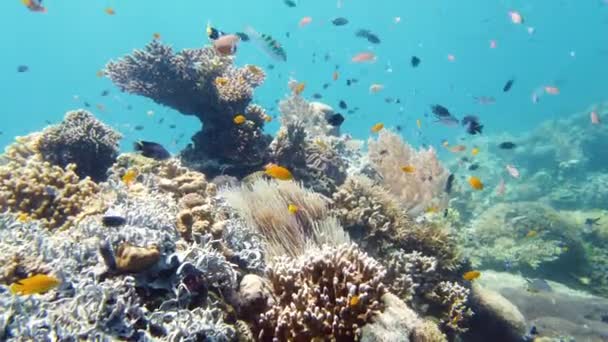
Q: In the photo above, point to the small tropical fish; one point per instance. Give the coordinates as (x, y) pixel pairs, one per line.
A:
(221, 81)
(432, 209)
(415, 61)
(451, 57)
(374, 88)
(292, 208)
(364, 57)
(212, 32)
(440, 111)
(23, 68)
(449, 183)
(551, 90)
(305, 21)
(475, 151)
(485, 100)
(226, 45)
(113, 221)
(335, 75)
(458, 148)
(268, 44)
(39, 283)
(150, 113)
(100, 73)
(34, 5)
(354, 301)
(335, 120)
(508, 85)
(377, 127)
(472, 124)
(507, 145)
(473, 167)
(278, 172)
(516, 17)
(500, 189)
(532, 233)
(475, 183)
(151, 150)
(139, 127)
(512, 170)
(419, 123)
(342, 105)
(538, 285)
(239, 119)
(471, 275)
(592, 221)
(595, 118)
(23, 217)
(493, 44)
(110, 11)
(298, 88)
(408, 169)
(340, 21)
(156, 35)
(289, 3)
(130, 176)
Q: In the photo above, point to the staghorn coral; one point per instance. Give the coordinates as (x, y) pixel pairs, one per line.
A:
(38, 190)
(202, 83)
(326, 293)
(264, 206)
(83, 140)
(410, 274)
(453, 297)
(416, 191)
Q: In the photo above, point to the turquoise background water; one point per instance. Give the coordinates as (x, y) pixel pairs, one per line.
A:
(65, 47)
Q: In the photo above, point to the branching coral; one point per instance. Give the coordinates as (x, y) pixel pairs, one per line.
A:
(82, 140)
(202, 83)
(38, 190)
(411, 273)
(453, 297)
(418, 190)
(264, 206)
(325, 294)
(313, 116)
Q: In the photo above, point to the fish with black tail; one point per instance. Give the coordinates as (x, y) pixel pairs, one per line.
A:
(507, 145)
(336, 119)
(508, 85)
(151, 150)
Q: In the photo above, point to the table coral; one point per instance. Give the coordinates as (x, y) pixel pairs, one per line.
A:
(38, 190)
(202, 83)
(324, 294)
(83, 140)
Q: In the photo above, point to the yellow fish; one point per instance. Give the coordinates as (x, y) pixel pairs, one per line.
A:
(531, 234)
(475, 183)
(23, 217)
(354, 301)
(432, 210)
(254, 69)
(239, 119)
(220, 81)
(471, 275)
(156, 35)
(377, 127)
(408, 169)
(475, 151)
(292, 208)
(267, 118)
(278, 172)
(39, 283)
(299, 88)
(130, 176)
(419, 123)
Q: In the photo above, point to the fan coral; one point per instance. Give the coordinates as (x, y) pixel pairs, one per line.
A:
(83, 140)
(202, 83)
(417, 191)
(38, 190)
(326, 293)
(264, 206)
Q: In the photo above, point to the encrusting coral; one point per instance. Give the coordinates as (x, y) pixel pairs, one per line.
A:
(82, 140)
(324, 294)
(421, 189)
(202, 83)
(35, 189)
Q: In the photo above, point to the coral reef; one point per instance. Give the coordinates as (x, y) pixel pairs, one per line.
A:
(324, 294)
(417, 191)
(453, 297)
(35, 189)
(82, 140)
(203, 83)
(311, 115)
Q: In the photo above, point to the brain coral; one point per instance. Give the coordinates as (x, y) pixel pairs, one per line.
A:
(83, 140)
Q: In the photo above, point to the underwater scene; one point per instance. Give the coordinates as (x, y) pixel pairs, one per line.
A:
(304, 170)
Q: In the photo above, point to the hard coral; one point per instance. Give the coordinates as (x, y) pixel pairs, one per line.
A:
(416, 191)
(83, 140)
(202, 83)
(327, 293)
(38, 190)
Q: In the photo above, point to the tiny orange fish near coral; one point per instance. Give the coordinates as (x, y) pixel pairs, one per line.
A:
(377, 127)
(471, 275)
(239, 119)
(354, 301)
(130, 176)
(156, 35)
(475, 183)
(39, 283)
(408, 169)
(292, 208)
(299, 88)
(278, 172)
(475, 151)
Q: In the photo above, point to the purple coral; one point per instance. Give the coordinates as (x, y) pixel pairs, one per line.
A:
(202, 83)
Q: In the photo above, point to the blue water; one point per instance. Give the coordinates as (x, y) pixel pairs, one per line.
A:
(65, 47)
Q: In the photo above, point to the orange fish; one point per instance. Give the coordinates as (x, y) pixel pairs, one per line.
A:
(298, 88)
(458, 148)
(475, 183)
(239, 119)
(471, 275)
(516, 17)
(551, 90)
(335, 76)
(278, 172)
(364, 57)
(305, 21)
(156, 35)
(110, 11)
(374, 88)
(408, 169)
(377, 127)
(130, 176)
(39, 283)
(267, 118)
